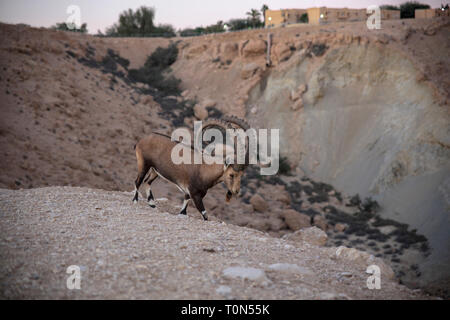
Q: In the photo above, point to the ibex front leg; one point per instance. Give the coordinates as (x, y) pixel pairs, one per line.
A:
(198, 201)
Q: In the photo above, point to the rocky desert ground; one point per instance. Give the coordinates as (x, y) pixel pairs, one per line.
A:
(364, 134)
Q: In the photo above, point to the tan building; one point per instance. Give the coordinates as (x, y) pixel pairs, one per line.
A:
(283, 16)
(390, 14)
(430, 13)
(323, 15)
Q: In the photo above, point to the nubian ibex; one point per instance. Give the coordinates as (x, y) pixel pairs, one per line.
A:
(154, 153)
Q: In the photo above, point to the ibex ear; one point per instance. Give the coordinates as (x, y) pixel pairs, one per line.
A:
(228, 161)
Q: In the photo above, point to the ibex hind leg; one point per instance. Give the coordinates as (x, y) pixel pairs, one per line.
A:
(152, 177)
(138, 182)
(186, 201)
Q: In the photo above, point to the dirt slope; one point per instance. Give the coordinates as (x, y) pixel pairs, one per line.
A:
(129, 251)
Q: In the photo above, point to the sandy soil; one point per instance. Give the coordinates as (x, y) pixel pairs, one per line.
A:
(127, 251)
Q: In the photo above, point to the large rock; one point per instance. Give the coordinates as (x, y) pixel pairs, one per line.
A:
(200, 109)
(312, 235)
(297, 94)
(209, 103)
(282, 196)
(254, 48)
(283, 51)
(258, 203)
(296, 220)
(195, 51)
(320, 222)
(229, 51)
(200, 112)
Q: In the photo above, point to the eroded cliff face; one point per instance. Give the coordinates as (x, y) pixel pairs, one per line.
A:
(361, 118)
(364, 111)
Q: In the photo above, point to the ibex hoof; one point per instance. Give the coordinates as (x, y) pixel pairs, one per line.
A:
(205, 215)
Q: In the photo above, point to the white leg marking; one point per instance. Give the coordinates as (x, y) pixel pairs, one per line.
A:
(135, 190)
(185, 204)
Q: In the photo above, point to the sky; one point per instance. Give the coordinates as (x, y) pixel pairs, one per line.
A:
(99, 14)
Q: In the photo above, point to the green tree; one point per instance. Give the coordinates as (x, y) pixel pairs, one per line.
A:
(303, 18)
(63, 27)
(139, 23)
(255, 17)
(407, 9)
(238, 24)
(264, 8)
(389, 7)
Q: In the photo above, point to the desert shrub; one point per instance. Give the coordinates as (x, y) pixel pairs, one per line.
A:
(370, 205)
(319, 49)
(152, 73)
(284, 167)
(162, 57)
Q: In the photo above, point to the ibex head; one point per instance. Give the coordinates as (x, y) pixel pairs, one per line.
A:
(233, 172)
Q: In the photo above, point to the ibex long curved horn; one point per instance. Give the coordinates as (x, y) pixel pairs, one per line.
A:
(245, 126)
(237, 121)
(208, 124)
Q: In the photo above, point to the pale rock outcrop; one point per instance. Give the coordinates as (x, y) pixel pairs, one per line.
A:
(298, 104)
(363, 259)
(249, 70)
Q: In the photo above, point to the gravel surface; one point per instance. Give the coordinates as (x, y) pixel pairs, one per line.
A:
(128, 251)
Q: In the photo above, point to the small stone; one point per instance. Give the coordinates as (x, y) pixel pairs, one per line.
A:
(223, 290)
(253, 274)
(340, 227)
(320, 222)
(290, 268)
